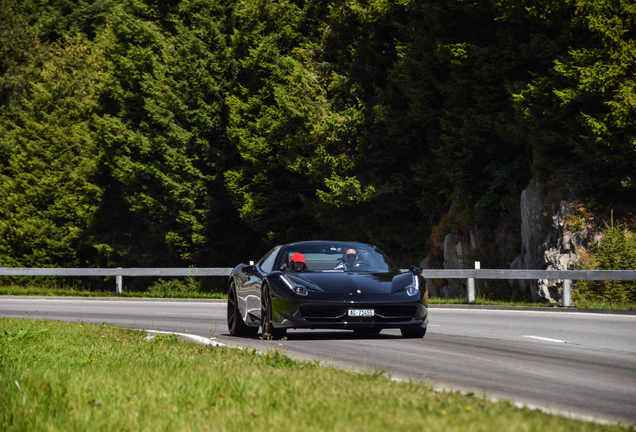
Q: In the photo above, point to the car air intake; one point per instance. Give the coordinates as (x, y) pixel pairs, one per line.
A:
(317, 312)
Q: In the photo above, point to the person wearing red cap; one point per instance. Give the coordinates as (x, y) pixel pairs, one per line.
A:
(297, 262)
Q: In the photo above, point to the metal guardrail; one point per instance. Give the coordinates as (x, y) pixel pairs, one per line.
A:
(118, 272)
(566, 275)
(155, 272)
(470, 274)
(599, 275)
(431, 274)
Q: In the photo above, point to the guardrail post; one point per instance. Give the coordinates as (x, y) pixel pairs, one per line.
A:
(567, 293)
(119, 283)
(471, 285)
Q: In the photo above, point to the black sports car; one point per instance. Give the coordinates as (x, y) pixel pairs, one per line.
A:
(322, 284)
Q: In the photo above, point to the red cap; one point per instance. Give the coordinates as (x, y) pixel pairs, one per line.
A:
(298, 257)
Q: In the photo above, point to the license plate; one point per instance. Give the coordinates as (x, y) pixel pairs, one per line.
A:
(361, 312)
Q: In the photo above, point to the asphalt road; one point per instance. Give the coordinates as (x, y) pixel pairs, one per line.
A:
(582, 364)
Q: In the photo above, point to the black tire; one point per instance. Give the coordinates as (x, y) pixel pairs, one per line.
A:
(413, 332)
(235, 323)
(362, 331)
(269, 331)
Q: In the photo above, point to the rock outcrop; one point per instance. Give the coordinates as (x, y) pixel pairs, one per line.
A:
(549, 241)
(553, 236)
(455, 257)
(433, 287)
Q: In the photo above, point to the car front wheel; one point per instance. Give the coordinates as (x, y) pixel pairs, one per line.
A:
(269, 331)
(413, 332)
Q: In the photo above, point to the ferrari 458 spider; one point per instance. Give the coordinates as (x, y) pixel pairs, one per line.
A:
(326, 285)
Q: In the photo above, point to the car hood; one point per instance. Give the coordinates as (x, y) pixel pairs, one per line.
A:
(363, 283)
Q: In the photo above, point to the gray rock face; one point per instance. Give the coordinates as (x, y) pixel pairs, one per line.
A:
(455, 252)
(433, 290)
(552, 238)
(547, 242)
(454, 258)
(533, 210)
(533, 205)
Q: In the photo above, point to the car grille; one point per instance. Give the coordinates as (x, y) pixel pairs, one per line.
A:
(323, 312)
(338, 313)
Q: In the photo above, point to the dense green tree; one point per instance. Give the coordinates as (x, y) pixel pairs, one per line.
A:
(296, 143)
(459, 63)
(361, 41)
(580, 114)
(194, 132)
(434, 80)
(161, 131)
(46, 194)
(615, 251)
(27, 30)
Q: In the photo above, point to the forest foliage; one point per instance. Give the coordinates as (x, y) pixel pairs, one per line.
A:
(201, 132)
(615, 251)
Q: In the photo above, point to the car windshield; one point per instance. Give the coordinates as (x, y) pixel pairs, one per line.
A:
(330, 257)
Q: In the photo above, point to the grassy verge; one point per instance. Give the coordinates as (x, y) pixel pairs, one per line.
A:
(583, 304)
(439, 300)
(598, 305)
(74, 292)
(77, 376)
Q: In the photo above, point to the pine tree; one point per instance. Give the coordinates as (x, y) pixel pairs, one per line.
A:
(47, 191)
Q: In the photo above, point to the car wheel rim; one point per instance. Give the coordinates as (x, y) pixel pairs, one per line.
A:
(266, 312)
(232, 310)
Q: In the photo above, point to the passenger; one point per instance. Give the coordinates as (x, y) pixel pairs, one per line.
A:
(297, 262)
(349, 259)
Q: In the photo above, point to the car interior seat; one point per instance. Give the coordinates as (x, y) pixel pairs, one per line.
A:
(363, 256)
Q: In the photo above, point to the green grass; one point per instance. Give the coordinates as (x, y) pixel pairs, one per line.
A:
(439, 300)
(34, 290)
(602, 305)
(74, 376)
(583, 304)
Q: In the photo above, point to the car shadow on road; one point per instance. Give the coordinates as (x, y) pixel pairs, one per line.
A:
(300, 335)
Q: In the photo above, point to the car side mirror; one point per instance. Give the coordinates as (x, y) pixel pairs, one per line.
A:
(415, 270)
(249, 269)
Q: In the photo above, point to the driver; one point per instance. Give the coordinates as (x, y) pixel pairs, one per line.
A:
(349, 257)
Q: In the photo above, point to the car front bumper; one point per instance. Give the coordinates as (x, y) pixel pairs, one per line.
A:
(335, 314)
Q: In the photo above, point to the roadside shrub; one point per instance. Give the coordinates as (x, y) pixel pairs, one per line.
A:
(578, 218)
(167, 338)
(174, 287)
(616, 251)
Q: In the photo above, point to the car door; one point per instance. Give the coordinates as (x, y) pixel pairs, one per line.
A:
(251, 290)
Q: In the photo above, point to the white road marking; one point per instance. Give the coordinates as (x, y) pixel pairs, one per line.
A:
(546, 339)
(199, 339)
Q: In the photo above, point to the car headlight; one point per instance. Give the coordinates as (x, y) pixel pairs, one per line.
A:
(296, 288)
(414, 287)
